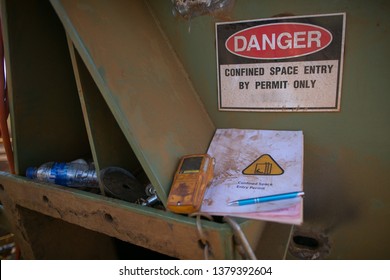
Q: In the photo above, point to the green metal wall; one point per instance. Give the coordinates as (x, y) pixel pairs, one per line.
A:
(347, 154)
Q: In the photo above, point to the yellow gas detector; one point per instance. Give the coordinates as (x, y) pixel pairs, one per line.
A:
(192, 177)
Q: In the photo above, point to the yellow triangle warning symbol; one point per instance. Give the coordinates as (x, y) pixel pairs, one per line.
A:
(264, 165)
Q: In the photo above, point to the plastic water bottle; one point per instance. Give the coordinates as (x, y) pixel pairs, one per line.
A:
(77, 173)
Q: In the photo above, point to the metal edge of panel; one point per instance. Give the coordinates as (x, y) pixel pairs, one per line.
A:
(84, 108)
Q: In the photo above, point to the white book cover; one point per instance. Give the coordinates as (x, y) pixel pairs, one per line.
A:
(256, 163)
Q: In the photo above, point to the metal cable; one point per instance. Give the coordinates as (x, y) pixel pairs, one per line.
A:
(238, 233)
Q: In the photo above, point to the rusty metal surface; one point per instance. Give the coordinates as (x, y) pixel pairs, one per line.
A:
(142, 82)
(161, 231)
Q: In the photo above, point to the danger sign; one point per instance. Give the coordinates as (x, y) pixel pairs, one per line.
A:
(281, 64)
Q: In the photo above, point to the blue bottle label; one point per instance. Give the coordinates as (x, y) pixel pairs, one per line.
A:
(59, 171)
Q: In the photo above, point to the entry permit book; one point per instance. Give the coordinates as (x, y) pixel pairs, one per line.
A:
(251, 164)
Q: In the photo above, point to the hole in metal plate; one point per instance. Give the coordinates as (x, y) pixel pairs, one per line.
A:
(309, 244)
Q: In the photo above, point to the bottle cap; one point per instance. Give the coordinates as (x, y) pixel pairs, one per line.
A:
(31, 172)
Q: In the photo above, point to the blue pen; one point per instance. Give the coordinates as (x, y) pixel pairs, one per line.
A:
(262, 199)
